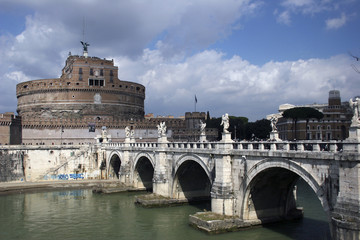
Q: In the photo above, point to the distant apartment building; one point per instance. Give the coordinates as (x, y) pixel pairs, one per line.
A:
(334, 126)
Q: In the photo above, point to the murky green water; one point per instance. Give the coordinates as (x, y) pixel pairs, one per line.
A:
(80, 214)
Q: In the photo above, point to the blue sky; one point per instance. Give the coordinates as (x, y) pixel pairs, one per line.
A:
(240, 57)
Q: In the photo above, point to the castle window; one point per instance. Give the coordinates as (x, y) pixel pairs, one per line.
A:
(25, 86)
(96, 82)
(91, 72)
(101, 72)
(80, 71)
(111, 79)
(80, 77)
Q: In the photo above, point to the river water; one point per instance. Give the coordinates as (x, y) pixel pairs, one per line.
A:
(80, 214)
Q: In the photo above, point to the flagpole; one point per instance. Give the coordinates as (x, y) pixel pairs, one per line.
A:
(195, 102)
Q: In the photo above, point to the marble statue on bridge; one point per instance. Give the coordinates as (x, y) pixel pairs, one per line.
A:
(355, 108)
(161, 129)
(225, 122)
(127, 132)
(202, 127)
(273, 122)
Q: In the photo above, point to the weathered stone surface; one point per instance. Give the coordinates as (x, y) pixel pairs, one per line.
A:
(11, 166)
(247, 179)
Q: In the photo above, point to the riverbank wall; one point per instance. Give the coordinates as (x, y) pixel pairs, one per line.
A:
(49, 163)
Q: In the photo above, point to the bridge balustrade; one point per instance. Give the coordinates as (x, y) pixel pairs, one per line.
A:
(298, 146)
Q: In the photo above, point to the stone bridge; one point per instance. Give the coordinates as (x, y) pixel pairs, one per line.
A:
(254, 181)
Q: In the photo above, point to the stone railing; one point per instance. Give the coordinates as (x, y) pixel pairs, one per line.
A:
(298, 146)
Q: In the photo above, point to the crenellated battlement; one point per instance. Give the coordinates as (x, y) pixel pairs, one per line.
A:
(58, 84)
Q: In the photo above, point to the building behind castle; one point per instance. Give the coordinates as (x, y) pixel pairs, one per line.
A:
(334, 125)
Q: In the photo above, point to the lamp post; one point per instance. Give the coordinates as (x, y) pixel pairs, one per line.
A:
(235, 132)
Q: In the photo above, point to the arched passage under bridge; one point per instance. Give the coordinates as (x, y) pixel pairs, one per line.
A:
(114, 167)
(271, 196)
(191, 182)
(143, 174)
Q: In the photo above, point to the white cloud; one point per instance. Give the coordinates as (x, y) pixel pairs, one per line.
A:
(150, 44)
(313, 7)
(17, 76)
(236, 86)
(336, 23)
(283, 17)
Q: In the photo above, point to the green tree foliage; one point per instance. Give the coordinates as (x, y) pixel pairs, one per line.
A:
(305, 113)
(237, 126)
(258, 130)
(302, 113)
(235, 122)
(241, 128)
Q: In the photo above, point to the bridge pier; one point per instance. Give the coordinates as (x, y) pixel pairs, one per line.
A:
(160, 178)
(222, 197)
(345, 218)
(125, 169)
(222, 192)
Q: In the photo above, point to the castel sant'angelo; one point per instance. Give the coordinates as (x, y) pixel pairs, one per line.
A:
(87, 98)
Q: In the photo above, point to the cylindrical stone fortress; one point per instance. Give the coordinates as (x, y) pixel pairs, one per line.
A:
(88, 88)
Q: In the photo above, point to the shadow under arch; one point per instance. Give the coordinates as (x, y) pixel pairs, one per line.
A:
(269, 192)
(198, 160)
(191, 181)
(114, 166)
(143, 173)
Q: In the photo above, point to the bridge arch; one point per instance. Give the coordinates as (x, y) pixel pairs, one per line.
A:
(143, 171)
(113, 165)
(274, 180)
(198, 160)
(192, 179)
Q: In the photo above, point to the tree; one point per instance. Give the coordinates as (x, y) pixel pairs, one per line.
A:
(305, 113)
(260, 129)
(237, 127)
(237, 124)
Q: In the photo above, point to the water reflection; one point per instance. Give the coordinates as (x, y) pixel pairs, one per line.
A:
(79, 214)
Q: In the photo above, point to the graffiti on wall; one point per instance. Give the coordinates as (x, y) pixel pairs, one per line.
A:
(71, 176)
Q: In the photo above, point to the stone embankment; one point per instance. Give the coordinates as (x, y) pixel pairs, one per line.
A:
(153, 200)
(98, 186)
(214, 223)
